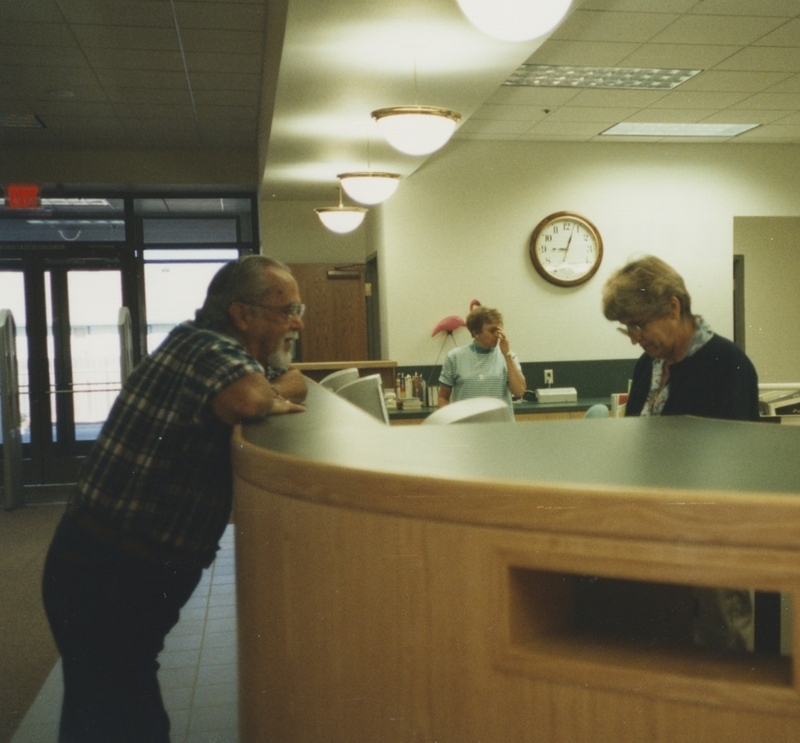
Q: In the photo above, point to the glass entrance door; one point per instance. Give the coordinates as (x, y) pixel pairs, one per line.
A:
(69, 357)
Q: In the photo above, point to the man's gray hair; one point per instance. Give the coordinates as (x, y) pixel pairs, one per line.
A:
(244, 280)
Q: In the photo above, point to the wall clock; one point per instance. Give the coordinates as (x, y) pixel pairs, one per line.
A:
(566, 249)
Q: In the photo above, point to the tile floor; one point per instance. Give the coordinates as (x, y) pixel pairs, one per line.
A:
(198, 675)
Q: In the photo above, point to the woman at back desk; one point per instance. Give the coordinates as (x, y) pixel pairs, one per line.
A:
(485, 368)
(686, 369)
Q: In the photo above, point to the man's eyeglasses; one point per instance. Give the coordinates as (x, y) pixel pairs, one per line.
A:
(634, 330)
(295, 309)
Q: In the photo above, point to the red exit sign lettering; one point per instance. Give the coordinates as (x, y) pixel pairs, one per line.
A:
(22, 196)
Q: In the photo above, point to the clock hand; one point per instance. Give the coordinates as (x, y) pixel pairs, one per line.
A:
(566, 250)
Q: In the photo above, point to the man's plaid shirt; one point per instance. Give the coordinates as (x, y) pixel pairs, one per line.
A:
(160, 470)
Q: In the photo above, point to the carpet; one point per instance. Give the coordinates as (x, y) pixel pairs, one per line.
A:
(27, 650)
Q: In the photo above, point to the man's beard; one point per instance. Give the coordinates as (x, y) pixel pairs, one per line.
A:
(281, 358)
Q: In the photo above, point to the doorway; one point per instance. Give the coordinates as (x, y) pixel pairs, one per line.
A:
(68, 353)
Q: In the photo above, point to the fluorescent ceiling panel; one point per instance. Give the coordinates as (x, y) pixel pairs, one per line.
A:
(642, 129)
(565, 76)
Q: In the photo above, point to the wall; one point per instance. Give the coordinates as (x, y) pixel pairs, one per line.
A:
(128, 168)
(291, 232)
(771, 250)
(459, 228)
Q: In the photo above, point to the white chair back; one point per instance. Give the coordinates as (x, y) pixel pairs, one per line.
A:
(597, 411)
(339, 378)
(472, 410)
(367, 394)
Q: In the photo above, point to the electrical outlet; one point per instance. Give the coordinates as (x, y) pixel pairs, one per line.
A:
(548, 376)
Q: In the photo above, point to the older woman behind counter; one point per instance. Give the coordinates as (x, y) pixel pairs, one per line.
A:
(485, 368)
(686, 369)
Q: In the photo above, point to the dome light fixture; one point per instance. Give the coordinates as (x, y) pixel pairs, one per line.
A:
(416, 130)
(341, 219)
(369, 187)
(515, 20)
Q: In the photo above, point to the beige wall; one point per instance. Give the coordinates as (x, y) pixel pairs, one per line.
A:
(771, 250)
(459, 228)
(291, 232)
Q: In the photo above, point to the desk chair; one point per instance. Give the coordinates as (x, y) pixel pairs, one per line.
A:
(339, 378)
(367, 394)
(472, 410)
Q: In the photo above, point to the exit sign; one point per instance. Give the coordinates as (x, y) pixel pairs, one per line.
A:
(22, 196)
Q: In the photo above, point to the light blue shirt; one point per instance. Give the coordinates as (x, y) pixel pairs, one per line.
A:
(472, 371)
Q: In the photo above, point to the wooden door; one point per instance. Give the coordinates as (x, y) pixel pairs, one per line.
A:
(336, 317)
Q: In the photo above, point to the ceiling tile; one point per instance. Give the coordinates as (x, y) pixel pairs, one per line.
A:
(773, 132)
(582, 53)
(775, 101)
(783, 8)
(217, 15)
(719, 80)
(129, 59)
(41, 56)
(484, 126)
(75, 109)
(111, 78)
(155, 96)
(42, 11)
(144, 13)
(581, 130)
(595, 114)
(679, 56)
(746, 116)
(497, 112)
(787, 35)
(126, 37)
(663, 6)
(221, 63)
(222, 42)
(617, 98)
(36, 34)
(226, 81)
(790, 85)
(764, 59)
(529, 96)
(590, 25)
(671, 115)
(155, 110)
(249, 98)
(699, 99)
(710, 29)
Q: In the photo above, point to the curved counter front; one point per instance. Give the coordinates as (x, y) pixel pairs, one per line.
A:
(508, 582)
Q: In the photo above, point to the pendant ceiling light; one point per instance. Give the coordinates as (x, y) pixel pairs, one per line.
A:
(341, 219)
(416, 130)
(515, 20)
(369, 187)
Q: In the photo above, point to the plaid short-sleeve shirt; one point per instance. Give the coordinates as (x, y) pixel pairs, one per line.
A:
(160, 470)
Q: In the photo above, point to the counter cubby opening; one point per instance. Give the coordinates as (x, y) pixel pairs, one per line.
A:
(624, 633)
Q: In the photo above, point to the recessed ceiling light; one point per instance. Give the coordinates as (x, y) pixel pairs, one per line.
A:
(642, 129)
(21, 121)
(564, 76)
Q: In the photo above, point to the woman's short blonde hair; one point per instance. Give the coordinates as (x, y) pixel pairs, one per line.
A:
(642, 289)
(479, 316)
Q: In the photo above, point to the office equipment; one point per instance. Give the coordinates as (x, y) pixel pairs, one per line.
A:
(367, 394)
(338, 379)
(557, 394)
(472, 410)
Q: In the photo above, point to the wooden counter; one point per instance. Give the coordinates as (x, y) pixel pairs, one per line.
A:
(507, 582)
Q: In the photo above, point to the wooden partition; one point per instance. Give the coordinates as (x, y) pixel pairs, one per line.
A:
(508, 582)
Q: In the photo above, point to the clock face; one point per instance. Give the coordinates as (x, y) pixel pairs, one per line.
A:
(566, 249)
